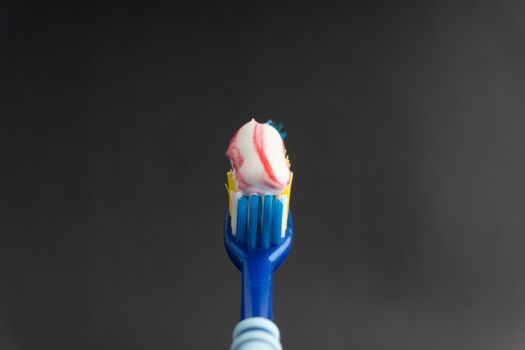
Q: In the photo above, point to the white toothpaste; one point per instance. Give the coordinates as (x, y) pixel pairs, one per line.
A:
(258, 159)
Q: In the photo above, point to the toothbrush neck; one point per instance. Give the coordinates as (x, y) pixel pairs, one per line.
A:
(256, 287)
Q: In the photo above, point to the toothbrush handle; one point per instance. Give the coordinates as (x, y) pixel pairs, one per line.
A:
(256, 287)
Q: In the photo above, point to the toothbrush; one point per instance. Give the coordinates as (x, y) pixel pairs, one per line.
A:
(258, 233)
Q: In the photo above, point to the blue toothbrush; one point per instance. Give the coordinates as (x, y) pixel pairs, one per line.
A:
(257, 246)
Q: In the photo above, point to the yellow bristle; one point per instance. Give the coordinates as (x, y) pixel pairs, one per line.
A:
(287, 192)
(230, 187)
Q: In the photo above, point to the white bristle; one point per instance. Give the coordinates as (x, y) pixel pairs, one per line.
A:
(234, 198)
(284, 222)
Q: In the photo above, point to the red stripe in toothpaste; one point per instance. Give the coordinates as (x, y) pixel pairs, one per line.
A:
(258, 141)
(236, 159)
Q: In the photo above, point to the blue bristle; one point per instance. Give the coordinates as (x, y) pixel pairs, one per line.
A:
(267, 222)
(242, 216)
(252, 222)
(277, 127)
(260, 221)
(277, 216)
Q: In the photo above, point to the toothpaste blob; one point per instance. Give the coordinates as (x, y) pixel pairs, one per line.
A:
(258, 159)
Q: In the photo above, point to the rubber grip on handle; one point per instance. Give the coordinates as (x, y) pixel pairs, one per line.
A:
(256, 333)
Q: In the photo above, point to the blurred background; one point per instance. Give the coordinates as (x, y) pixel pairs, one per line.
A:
(405, 126)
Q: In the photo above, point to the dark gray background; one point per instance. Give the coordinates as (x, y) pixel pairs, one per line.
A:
(405, 122)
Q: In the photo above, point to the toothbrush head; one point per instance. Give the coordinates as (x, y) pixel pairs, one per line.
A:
(257, 224)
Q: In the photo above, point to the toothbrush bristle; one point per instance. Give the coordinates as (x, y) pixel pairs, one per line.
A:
(252, 221)
(277, 219)
(259, 221)
(266, 222)
(278, 127)
(242, 218)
